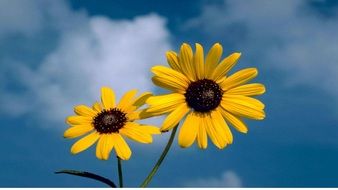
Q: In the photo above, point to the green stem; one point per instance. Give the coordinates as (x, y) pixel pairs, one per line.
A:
(159, 161)
(119, 165)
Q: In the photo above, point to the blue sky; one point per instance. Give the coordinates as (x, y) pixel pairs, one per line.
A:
(57, 54)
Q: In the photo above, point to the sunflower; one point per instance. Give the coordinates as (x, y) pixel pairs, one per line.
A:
(204, 93)
(108, 123)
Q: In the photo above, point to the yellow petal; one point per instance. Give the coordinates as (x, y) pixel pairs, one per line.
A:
(173, 60)
(202, 138)
(199, 61)
(108, 144)
(223, 68)
(188, 131)
(153, 130)
(121, 147)
(97, 107)
(212, 59)
(168, 84)
(219, 81)
(79, 120)
(174, 117)
(141, 100)
(165, 99)
(239, 78)
(221, 127)
(138, 102)
(127, 100)
(186, 62)
(133, 131)
(77, 130)
(164, 103)
(139, 114)
(85, 142)
(243, 109)
(216, 136)
(252, 102)
(237, 123)
(99, 147)
(107, 98)
(253, 89)
(171, 76)
(84, 111)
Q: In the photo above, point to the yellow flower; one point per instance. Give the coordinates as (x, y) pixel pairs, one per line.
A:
(204, 93)
(107, 123)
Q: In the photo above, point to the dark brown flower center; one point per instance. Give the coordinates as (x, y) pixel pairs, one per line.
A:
(203, 95)
(110, 121)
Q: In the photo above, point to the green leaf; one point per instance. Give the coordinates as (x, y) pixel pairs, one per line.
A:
(87, 175)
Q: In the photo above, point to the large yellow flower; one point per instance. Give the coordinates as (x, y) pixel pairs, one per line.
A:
(107, 123)
(206, 95)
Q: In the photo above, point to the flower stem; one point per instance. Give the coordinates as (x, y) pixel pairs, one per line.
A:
(159, 161)
(119, 165)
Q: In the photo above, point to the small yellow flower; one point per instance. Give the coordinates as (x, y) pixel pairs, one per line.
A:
(107, 123)
(204, 93)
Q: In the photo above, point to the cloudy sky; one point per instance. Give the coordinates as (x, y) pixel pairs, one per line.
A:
(57, 54)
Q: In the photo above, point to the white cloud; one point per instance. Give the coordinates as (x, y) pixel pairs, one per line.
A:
(91, 52)
(227, 179)
(288, 36)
